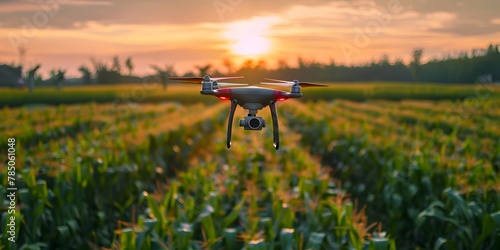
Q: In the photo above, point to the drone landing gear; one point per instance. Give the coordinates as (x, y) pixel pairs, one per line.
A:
(276, 132)
(230, 122)
(274, 115)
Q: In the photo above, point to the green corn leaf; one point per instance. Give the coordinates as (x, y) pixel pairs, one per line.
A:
(73, 225)
(230, 235)
(459, 202)
(379, 244)
(287, 216)
(287, 241)
(184, 236)
(259, 244)
(487, 229)
(315, 241)
(157, 213)
(207, 222)
(496, 217)
(127, 239)
(440, 242)
(101, 215)
(267, 225)
(231, 217)
(63, 232)
(25, 196)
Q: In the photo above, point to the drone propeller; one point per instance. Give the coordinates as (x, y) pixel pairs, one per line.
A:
(291, 83)
(197, 80)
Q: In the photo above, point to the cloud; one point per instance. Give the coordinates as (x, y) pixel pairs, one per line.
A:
(468, 28)
(14, 6)
(94, 3)
(440, 19)
(159, 12)
(191, 32)
(151, 12)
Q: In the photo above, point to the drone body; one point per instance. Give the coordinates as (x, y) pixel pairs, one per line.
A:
(251, 98)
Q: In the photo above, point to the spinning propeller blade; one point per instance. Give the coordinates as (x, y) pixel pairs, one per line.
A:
(188, 79)
(310, 84)
(291, 83)
(227, 84)
(226, 78)
(288, 84)
(276, 80)
(197, 80)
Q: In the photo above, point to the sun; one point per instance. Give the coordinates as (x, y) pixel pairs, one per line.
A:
(251, 45)
(249, 38)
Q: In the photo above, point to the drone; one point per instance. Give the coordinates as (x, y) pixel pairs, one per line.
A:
(251, 98)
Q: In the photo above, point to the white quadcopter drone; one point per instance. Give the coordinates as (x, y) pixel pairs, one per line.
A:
(251, 98)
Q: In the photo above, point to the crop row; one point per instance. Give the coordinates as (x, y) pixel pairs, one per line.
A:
(162, 175)
(73, 190)
(410, 183)
(251, 197)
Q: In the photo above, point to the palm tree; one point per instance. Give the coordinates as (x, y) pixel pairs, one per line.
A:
(163, 74)
(59, 78)
(416, 64)
(31, 77)
(116, 66)
(86, 74)
(129, 65)
(204, 70)
(229, 65)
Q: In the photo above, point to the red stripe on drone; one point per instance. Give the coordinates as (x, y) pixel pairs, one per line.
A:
(280, 95)
(225, 94)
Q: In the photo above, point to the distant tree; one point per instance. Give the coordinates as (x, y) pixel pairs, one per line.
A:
(229, 66)
(384, 60)
(247, 65)
(116, 66)
(52, 73)
(104, 74)
(204, 70)
(31, 77)
(189, 74)
(98, 65)
(416, 64)
(261, 65)
(11, 75)
(58, 78)
(129, 65)
(302, 63)
(282, 64)
(492, 50)
(86, 74)
(164, 74)
(463, 55)
(398, 61)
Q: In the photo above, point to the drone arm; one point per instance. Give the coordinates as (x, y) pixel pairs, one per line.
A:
(230, 122)
(276, 132)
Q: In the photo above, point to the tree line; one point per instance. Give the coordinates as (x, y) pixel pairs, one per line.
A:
(464, 67)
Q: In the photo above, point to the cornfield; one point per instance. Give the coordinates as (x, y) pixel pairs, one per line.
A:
(349, 175)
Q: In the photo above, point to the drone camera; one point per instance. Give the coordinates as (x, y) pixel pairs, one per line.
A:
(253, 123)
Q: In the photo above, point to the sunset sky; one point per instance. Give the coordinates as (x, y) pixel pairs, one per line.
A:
(67, 33)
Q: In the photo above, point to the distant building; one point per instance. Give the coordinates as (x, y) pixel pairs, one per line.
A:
(11, 76)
